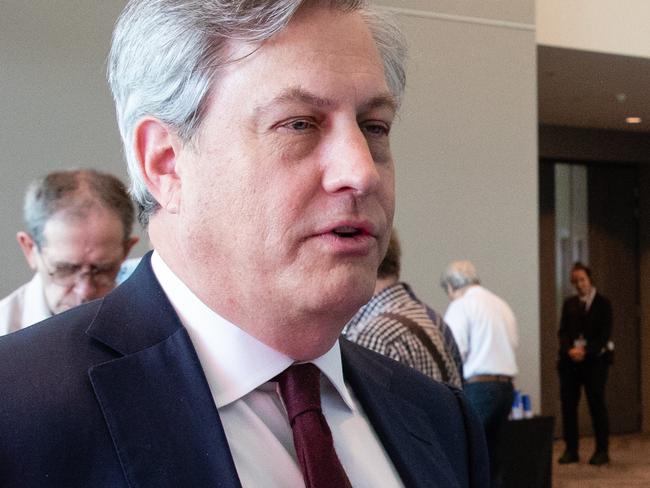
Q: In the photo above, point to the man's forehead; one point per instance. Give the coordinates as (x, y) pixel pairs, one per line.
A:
(71, 223)
(313, 61)
(77, 213)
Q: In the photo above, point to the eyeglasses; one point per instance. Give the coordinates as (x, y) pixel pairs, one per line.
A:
(67, 274)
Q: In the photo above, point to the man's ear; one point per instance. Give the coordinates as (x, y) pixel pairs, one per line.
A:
(450, 291)
(29, 248)
(156, 149)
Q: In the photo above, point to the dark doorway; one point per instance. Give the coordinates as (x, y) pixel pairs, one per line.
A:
(610, 246)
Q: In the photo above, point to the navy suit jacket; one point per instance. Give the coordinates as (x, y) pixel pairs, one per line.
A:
(595, 325)
(112, 394)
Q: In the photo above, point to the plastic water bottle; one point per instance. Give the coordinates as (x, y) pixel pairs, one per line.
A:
(517, 407)
(527, 407)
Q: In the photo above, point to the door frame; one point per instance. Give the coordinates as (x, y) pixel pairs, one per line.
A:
(550, 404)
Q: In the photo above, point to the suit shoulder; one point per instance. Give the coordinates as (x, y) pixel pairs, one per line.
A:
(571, 301)
(397, 397)
(44, 368)
(410, 383)
(77, 316)
(603, 300)
(55, 341)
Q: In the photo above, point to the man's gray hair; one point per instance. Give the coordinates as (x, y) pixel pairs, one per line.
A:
(459, 274)
(75, 191)
(167, 54)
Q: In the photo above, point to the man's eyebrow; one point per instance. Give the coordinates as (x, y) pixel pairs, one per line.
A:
(65, 264)
(300, 95)
(382, 101)
(293, 95)
(71, 264)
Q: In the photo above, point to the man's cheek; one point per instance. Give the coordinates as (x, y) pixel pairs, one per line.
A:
(58, 300)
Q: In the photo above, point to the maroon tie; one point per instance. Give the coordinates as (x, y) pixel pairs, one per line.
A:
(300, 390)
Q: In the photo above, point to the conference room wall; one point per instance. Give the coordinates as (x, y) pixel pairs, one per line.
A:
(603, 26)
(466, 156)
(56, 107)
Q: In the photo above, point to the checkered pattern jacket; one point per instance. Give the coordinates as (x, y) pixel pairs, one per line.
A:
(389, 336)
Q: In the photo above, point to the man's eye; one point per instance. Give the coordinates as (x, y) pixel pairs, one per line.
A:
(300, 125)
(107, 269)
(68, 270)
(376, 129)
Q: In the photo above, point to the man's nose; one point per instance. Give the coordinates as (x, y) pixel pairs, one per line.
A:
(85, 288)
(349, 164)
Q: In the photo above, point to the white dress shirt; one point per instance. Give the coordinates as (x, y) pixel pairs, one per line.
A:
(485, 331)
(238, 368)
(589, 299)
(25, 306)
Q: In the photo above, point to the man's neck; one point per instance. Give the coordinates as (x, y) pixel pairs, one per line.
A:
(383, 283)
(459, 292)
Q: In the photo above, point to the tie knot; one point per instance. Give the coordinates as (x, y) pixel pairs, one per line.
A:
(300, 389)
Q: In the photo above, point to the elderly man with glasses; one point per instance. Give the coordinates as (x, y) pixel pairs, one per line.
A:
(78, 234)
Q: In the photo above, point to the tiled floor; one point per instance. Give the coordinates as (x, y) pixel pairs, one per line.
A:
(629, 466)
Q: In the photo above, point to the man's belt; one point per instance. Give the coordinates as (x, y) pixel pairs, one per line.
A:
(482, 378)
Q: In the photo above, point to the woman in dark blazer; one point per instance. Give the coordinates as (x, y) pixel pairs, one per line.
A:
(585, 330)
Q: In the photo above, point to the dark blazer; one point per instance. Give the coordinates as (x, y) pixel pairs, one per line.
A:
(112, 394)
(595, 325)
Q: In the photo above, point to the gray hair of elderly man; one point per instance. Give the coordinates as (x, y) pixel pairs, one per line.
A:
(167, 54)
(75, 190)
(459, 274)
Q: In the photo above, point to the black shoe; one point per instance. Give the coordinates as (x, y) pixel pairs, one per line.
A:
(599, 458)
(569, 457)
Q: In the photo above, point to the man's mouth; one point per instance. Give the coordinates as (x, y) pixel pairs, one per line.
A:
(348, 238)
(347, 232)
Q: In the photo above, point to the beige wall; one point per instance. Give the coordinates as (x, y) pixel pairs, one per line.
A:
(465, 147)
(609, 26)
(473, 11)
(55, 105)
(466, 155)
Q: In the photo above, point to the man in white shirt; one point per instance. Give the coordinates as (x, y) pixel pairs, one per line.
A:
(79, 225)
(256, 135)
(485, 330)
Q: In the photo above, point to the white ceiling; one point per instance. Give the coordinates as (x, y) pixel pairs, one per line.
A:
(580, 88)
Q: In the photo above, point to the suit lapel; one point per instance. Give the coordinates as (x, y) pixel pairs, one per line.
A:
(405, 431)
(154, 396)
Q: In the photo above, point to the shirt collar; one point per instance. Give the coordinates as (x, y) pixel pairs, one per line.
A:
(234, 362)
(588, 299)
(35, 308)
